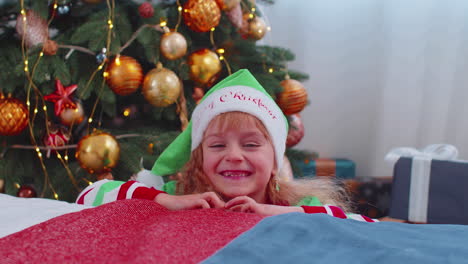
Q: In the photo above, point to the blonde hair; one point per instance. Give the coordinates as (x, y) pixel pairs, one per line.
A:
(194, 180)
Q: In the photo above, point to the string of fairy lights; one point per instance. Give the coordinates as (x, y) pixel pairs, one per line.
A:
(29, 74)
(35, 95)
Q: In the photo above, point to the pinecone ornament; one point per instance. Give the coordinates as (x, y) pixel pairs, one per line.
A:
(34, 29)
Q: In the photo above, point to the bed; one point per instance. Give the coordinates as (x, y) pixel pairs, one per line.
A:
(38, 230)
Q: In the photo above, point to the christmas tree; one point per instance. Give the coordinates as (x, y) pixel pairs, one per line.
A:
(94, 89)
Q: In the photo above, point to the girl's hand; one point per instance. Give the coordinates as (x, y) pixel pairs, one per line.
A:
(248, 205)
(190, 201)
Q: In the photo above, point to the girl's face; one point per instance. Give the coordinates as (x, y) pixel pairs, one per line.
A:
(239, 160)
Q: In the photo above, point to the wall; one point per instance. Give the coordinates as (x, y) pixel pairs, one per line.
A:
(338, 43)
(383, 74)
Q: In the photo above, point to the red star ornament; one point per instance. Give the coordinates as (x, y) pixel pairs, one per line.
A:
(60, 97)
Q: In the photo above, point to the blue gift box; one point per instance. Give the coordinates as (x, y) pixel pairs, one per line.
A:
(339, 168)
(438, 195)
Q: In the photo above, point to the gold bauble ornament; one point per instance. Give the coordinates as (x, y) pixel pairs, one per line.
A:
(70, 116)
(201, 15)
(124, 75)
(227, 5)
(13, 116)
(293, 98)
(98, 152)
(173, 45)
(161, 87)
(205, 67)
(257, 28)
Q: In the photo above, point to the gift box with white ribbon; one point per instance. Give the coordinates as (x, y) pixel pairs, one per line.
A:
(429, 185)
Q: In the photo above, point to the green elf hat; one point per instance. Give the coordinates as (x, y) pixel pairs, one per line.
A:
(238, 92)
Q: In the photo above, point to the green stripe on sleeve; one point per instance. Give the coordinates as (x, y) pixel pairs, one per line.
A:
(310, 201)
(105, 188)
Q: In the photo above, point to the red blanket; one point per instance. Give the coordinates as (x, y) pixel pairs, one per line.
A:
(127, 231)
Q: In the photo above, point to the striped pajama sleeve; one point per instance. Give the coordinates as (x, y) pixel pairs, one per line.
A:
(105, 191)
(336, 212)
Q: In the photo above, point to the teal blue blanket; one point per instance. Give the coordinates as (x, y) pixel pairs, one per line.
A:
(319, 238)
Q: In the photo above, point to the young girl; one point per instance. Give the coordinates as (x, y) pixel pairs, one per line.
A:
(229, 158)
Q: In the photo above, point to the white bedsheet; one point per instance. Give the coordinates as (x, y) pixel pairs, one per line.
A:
(18, 213)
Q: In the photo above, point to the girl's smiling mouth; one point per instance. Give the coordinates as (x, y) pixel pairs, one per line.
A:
(235, 174)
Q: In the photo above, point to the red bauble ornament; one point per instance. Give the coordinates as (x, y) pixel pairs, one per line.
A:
(61, 97)
(235, 16)
(26, 191)
(57, 136)
(146, 10)
(293, 98)
(198, 94)
(296, 130)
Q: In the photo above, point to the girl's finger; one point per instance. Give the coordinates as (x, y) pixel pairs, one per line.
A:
(201, 203)
(236, 208)
(236, 201)
(214, 200)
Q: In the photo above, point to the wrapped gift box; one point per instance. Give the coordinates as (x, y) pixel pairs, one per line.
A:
(427, 190)
(340, 168)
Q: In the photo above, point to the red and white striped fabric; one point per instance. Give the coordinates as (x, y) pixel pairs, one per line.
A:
(336, 212)
(106, 191)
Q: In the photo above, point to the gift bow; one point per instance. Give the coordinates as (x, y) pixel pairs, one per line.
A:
(421, 174)
(434, 151)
